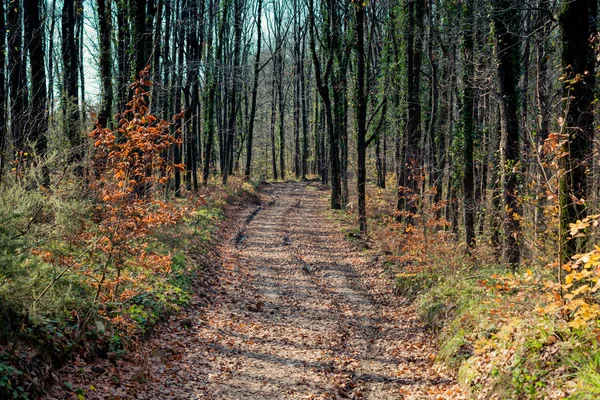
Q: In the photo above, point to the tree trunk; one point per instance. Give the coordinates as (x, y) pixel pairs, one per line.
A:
(191, 97)
(157, 46)
(305, 140)
(231, 127)
(543, 27)
(79, 29)
(281, 99)
(379, 150)
(361, 117)
(70, 55)
(51, 57)
(166, 63)
(16, 68)
(507, 25)
(578, 23)
(3, 113)
(297, 91)
(323, 89)
(468, 127)
(124, 67)
(178, 46)
(105, 33)
(138, 16)
(433, 158)
(252, 117)
(38, 111)
(209, 109)
(272, 127)
(446, 138)
(412, 154)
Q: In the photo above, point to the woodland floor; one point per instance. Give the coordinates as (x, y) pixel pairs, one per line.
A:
(294, 311)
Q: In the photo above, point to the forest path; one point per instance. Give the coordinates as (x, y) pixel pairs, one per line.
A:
(300, 314)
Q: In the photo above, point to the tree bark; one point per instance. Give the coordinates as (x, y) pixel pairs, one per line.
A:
(361, 116)
(105, 33)
(231, 127)
(272, 126)
(16, 68)
(252, 117)
(138, 16)
(3, 108)
(281, 99)
(124, 67)
(305, 140)
(70, 55)
(322, 80)
(297, 91)
(468, 181)
(507, 25)
(38, 111)
(578, 23)
(178, 48)
(412, 154)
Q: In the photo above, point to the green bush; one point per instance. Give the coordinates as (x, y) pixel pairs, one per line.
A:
(43, 299)
(410, 285)
(8, 376)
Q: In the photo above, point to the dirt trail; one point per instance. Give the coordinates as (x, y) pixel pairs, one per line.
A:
(300, 314)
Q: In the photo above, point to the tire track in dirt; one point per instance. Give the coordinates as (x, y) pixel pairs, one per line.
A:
(316, 327)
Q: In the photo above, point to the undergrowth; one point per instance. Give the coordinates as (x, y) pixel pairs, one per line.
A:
(36, 238)
(507, 334)
(91, 264)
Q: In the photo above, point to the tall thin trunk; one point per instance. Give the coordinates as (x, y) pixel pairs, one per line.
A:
(468, 181)
(578, 23)
(434, 171)
(380, 148)
(361, 116)
(138, 16)
(166, 63)
(38, 112)
(191, 97)
(446, 138)
(297, 91)
(524, 86)
(506, 26)
(123, 38)
(323, 89)
(543, 29)
(3, 130)
(212, 83)
(51, 57)
(70, 55)
(495, 221)
(16, 68)
(79, 30)
(317, 131)
(197, 123)
(250, 133)
(231, 126)
(157, 96)
(178, 45)
(303, 95)
(272, 127)
(105, 33)
(281, 99)
(412, 152)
